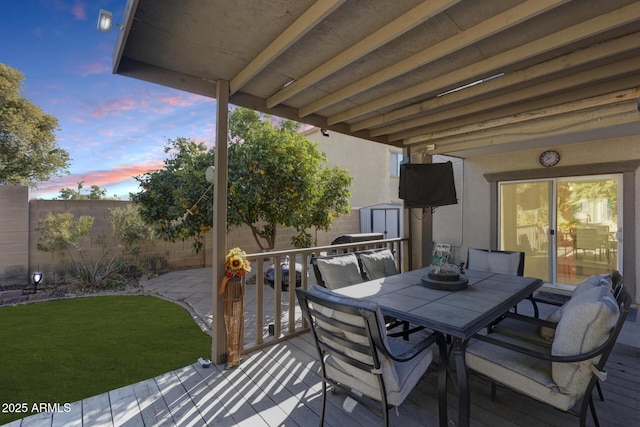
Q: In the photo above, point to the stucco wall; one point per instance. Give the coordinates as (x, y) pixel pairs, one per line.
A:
(177, 256)
(476, 194)
(14, 234)
(368, 162)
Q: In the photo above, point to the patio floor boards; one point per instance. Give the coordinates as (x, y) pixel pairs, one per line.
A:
(279, 386)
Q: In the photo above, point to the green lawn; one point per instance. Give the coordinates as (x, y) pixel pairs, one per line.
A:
(64, 351)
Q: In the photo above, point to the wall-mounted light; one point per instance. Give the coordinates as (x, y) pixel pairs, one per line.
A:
(324, 132)
(36, 278)
(105, 21)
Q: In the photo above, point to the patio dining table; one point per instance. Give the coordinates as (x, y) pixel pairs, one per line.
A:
(457, 314)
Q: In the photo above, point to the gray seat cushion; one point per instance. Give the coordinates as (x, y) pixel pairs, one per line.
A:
(378, 264)
(586, 323)
(339, 271)
(528, 375)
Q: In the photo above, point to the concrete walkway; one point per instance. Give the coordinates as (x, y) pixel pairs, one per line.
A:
(191, 288)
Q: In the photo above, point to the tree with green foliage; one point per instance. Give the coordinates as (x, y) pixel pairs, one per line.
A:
(96, 193)
(119, 260)
(177, 200)
(276, 177)
(29, 152)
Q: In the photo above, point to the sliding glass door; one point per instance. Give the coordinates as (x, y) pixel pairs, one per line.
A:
(569, 228)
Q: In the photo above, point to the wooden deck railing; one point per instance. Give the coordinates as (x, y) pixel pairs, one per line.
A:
(273, 315)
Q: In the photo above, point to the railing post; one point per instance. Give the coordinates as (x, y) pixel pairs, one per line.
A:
(291, 256)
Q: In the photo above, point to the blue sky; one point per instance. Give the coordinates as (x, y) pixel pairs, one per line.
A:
(113, 127)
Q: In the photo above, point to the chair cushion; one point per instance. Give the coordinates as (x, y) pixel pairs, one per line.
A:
(378, 264)
(526, 374)
(340, 271)
(587, 321)
(592, 282)
(585, 285)
(496, 262)
(399, 377)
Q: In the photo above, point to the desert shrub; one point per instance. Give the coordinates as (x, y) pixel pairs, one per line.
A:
(115, 260)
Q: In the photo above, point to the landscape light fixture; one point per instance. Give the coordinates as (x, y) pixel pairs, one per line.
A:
(37, 278)
(105, 21)
(324, 132)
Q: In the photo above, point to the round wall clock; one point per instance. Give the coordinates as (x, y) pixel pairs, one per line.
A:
(549, 158)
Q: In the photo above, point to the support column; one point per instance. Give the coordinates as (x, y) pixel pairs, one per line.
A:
(218, 340)
(420, 222)
(426, 239)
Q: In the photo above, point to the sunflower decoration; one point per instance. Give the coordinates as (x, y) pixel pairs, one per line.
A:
(236, 263)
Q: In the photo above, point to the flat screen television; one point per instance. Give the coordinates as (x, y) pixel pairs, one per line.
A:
(427, 185)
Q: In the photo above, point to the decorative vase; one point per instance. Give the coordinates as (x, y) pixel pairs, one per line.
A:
(234, 319)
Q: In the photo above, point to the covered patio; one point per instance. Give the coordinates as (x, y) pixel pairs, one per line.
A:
(280, 386)
(434, 77)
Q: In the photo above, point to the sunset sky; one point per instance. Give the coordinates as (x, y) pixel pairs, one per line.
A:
(113, 127)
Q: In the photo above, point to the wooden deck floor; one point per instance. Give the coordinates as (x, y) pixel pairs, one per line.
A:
(279, 386)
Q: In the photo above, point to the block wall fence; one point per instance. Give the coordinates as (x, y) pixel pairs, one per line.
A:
(20, 257)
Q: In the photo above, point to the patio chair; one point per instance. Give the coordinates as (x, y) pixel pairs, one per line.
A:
(377, 263)
(566, 372)
(337, 271)
(504, 262)
(587, 240)
(542, 332)
(359, 358)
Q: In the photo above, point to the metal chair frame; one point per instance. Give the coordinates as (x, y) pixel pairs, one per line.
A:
(603, 351)
(376, 347)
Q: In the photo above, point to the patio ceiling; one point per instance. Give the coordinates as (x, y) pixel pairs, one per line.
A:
(555, 71)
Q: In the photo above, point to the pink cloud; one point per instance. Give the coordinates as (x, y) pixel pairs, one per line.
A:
(78, 11)
(177, 100)
(101, 178)
(115, 107)
(94, 68)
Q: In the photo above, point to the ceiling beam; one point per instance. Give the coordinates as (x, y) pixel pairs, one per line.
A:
(547, 88)
(556, 65)
(593, 90)
(306, 22)
(582, 104)
(394, 29)
(483, 30)
(614, 19)
(259, 104)
(579, 121)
